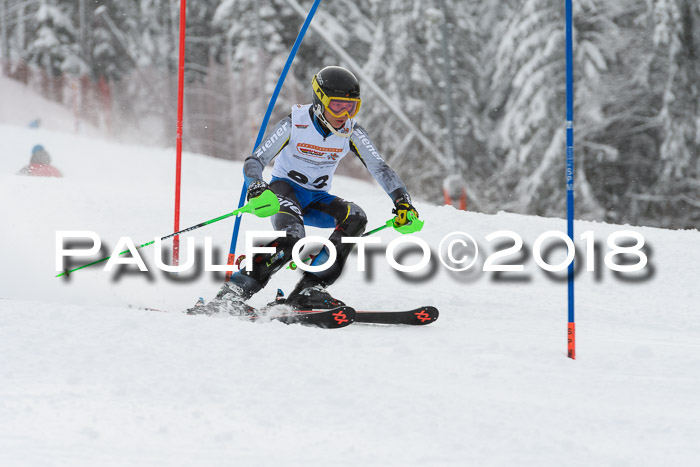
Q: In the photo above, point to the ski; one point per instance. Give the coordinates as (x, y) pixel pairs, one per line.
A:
(335, 318)
(417, 317)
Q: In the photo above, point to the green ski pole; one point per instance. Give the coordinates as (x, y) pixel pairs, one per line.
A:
(264, 205)
(414, 225)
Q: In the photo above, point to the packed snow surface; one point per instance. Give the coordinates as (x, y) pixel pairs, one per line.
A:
(89, 379)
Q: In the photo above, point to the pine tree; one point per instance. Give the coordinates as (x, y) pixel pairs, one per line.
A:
(529, 108)
(615, 108)
(54, 47)
(406, 60)
(677, 37)
(253, 50)
(114, 38)
(528, 92)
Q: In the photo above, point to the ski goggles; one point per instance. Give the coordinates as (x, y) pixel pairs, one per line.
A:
(337, 106)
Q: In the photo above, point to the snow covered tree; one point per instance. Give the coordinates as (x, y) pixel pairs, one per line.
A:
(677, 37)
(113, 38)
(612, 100)
(53, 47)
(405, 60)
(615, 108)
(258, 36)
(528, 93)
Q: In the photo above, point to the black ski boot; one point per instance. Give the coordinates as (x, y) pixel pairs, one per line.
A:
(311, 294)
(231, 299)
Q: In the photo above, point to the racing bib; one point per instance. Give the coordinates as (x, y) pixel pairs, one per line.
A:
(309, 159)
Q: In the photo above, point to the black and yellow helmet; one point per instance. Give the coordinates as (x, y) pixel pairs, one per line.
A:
(336, 90)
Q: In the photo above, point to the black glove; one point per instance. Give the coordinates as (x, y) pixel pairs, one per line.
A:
(256, 189)
(402, 207)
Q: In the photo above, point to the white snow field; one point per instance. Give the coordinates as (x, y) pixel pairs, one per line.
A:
(85, 380)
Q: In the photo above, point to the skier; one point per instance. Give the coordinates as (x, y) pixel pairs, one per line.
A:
(40, 164)
(309, 144)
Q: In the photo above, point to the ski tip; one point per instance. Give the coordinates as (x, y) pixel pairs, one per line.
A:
(426, 315)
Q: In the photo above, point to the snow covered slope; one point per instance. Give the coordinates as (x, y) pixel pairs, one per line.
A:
(87, 381)
(20, 106)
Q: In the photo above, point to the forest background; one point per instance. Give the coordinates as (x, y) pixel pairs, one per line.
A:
(637, 96)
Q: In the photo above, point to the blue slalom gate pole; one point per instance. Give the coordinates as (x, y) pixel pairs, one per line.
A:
(266, 119)
(570, 172)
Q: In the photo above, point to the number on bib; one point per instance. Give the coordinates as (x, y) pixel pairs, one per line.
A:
(302, 179)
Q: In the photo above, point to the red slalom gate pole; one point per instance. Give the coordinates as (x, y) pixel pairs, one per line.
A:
(178, 144)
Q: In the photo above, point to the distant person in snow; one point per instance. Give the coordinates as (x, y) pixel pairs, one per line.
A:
(308, 145)
(40, 164)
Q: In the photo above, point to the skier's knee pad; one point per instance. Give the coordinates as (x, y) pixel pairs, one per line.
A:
(355, 222)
